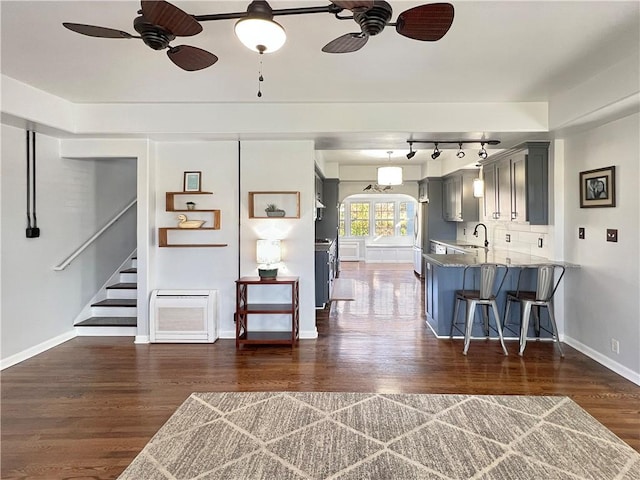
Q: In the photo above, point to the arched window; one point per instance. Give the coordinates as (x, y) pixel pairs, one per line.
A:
(364, 215)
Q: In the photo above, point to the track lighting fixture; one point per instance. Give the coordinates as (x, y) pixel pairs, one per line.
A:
(482, 153)
(436, 152)
(411, 153)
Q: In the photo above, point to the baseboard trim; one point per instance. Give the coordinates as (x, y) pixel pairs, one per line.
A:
(37, 349)
(142, 339)
(603, 360)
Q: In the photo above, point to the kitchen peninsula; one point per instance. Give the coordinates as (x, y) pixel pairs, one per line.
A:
(443, 276)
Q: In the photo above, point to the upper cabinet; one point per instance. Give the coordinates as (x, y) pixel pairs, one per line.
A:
(517, 184)
(423, 192)
(458, 202)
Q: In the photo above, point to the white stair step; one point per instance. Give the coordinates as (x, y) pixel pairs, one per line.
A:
(123, 290)
(106, 331)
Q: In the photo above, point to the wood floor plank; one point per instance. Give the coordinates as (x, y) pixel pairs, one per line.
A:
(87, 407)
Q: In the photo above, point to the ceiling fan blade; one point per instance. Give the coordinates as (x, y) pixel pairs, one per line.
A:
(170, 17)
(359, 6)
(426, 22)
(191, 58)
(349, 42)
(94, 31)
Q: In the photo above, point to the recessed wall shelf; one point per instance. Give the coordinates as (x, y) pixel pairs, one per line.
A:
(289, 202)
(163, 240)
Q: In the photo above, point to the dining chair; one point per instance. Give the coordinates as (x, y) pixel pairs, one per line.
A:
(489, 280)
(547, 282)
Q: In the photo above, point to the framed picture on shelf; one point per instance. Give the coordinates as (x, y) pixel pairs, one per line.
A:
(598, 188)
(192, 181)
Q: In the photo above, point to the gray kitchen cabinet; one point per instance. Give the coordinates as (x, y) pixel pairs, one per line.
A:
(326, 263)
(517, 184)
(497, 186)
(459, 204)
(327, 221)
(423, 192)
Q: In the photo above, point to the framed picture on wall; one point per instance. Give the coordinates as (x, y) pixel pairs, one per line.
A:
(192, 181)
(598, 188)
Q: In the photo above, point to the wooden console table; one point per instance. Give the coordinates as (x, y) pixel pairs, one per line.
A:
(244, 335)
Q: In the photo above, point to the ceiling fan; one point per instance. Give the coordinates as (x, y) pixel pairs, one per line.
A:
(159, 23)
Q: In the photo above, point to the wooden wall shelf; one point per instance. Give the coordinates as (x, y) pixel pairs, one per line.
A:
(287, 201)
(163, 240)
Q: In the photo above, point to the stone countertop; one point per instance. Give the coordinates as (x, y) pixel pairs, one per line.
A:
(476, 256)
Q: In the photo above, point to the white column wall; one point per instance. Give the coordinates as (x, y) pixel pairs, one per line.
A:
(280, 166)
(602, 297)
(210, 268)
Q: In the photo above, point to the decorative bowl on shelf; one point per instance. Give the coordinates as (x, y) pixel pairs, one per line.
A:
(272, 210)
(275, 213)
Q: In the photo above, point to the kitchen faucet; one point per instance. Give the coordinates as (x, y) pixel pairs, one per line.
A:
(475, 233)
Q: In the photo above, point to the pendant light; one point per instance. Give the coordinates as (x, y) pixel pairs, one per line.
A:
(389, 175)
(478, 185)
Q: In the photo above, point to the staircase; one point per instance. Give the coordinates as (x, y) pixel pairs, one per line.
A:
(116, 315)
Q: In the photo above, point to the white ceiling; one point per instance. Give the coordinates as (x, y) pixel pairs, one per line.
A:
(496, 51)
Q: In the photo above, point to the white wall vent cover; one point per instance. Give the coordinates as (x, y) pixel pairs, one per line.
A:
(184, 316)
(349, 250)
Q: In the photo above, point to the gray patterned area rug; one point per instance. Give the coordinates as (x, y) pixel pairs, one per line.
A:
(354, 436)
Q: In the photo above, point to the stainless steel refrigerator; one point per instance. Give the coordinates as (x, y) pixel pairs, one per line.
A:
(430, 224)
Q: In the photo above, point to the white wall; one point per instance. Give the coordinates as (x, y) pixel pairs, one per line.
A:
(602, 298)
(281, 166)
(74, 199)
(211, 268)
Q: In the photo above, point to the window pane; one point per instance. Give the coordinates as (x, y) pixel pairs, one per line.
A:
(341, 220)
(384, 221)
(359, 217)
(406, 212)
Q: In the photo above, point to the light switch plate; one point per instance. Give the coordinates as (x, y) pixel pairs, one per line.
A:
(581, 233)
(612, 234)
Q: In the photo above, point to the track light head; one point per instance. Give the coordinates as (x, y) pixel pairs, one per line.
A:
(482, 153)
(411, 153)
(460, 153)
(436, 152)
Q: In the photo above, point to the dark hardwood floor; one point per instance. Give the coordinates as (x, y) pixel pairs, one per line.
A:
(85, 409)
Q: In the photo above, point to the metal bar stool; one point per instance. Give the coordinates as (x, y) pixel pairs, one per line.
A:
(543, 297)
(488, 289)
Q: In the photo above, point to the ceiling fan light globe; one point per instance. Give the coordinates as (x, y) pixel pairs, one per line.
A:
(260, 35)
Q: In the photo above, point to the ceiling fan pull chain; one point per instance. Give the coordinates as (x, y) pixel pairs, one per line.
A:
(260, 79)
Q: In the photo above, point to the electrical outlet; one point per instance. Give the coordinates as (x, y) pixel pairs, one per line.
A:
(507, 238)
(615, 346)
(540, 242)
(464, 232)
(581, 233)
(612, 234)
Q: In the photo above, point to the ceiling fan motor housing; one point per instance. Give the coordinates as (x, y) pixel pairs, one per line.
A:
(373, 21)
(154, 36)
